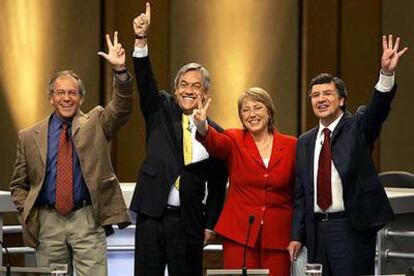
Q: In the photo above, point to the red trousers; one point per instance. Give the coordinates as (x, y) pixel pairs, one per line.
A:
(277, 261)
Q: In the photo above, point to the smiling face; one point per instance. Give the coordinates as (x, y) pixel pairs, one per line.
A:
(65, 97)
(326, 102)
(189, 88)
(254, 116)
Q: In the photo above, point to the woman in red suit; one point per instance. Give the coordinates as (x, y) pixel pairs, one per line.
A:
(261, 164)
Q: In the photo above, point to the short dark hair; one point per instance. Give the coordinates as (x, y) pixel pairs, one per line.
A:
(324, 78)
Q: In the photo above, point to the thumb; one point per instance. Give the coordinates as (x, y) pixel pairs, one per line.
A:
(102, 54)
(291, 253)
(194, 114)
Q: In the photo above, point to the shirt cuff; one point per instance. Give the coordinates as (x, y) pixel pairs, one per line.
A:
(140, 52)
(211, 231)
(385, 83)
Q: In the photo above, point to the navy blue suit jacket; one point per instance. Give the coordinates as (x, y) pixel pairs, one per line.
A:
(365, 200)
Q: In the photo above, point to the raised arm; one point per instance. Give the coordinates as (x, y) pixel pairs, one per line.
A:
(118, 110)
(141, 25)
(147, 86)
(375, 113)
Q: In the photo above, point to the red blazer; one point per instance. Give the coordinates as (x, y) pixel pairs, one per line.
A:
(265, 193)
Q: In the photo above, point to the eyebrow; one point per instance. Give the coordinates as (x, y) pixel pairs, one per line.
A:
(190, 82)
(327, 90)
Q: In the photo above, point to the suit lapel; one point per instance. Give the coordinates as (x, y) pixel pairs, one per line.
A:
(77, 122)
(174, 126)
(251, 148)
(339, 126)
(40, 137)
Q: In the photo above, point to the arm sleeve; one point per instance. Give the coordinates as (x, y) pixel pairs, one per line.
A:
(117, 112)
(218, 144)
(19, 184)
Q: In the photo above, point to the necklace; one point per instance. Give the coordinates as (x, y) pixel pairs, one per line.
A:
(265, 145)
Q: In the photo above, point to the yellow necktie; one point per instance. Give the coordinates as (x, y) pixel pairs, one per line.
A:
(187, 145)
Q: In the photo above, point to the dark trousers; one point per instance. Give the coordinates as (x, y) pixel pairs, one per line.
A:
(162, 241)
(343, 251)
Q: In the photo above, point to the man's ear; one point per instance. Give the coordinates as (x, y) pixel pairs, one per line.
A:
(205, 96)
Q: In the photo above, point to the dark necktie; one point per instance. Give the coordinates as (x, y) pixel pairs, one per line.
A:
(324, 193)
(64, 177)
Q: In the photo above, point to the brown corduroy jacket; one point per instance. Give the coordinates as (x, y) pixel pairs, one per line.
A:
(91, 134)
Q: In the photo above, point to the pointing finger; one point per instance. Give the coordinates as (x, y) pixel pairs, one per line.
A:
(148, 11)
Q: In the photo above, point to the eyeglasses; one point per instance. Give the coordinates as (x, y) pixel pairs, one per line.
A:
(70, 93)
(196, 87)
(317, 94)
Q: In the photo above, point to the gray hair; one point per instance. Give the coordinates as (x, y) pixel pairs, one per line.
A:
(67, 73)
(194, 67)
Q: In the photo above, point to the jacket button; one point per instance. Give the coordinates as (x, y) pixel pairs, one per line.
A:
(263, 208)
(266, 175)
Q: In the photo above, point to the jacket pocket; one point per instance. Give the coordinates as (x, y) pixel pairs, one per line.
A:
(149, 169)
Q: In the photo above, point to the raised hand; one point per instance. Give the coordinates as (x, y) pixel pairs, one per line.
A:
(200, 115)
(390, 54)
(142, 22)
(116, 54)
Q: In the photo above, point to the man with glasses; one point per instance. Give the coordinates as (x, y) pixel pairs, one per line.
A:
(173, 224)
(63, 185)
(340, 203)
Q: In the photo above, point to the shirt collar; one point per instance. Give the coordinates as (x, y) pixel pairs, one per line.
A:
(56, 122)
(331, 127)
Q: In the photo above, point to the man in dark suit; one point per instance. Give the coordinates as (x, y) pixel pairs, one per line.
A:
(340, 203)
(173, 224)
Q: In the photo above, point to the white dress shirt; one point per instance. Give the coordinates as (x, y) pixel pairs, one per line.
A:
(384, 84)
(199, 153)
(336, 188)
